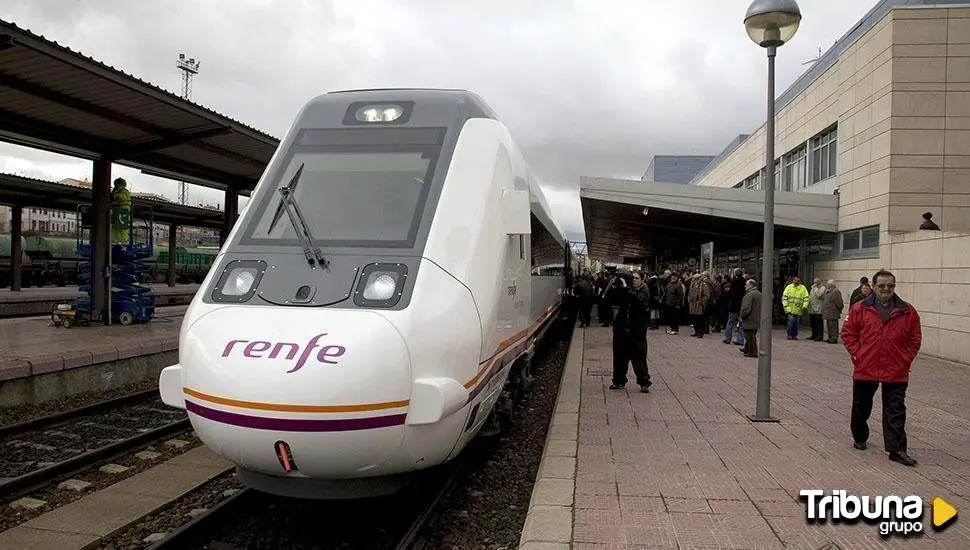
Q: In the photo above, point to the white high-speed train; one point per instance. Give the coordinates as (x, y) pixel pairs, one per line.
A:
(375, 301)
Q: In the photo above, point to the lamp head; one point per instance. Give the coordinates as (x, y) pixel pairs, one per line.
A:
(771, 23)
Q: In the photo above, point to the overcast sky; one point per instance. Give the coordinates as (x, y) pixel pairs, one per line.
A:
(588, 87)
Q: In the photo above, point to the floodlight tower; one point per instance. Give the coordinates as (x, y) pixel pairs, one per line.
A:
(189, 68)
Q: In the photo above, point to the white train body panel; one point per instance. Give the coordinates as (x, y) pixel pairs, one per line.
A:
(337, 386)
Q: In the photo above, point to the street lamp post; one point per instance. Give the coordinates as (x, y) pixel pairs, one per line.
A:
(769, 23)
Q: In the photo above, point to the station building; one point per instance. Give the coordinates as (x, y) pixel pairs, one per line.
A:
(876, 133)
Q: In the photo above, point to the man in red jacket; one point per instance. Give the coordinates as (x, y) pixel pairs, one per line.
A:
(882, 335)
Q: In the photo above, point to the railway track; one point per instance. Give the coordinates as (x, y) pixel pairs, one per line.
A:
(39, 451)
(382, 518)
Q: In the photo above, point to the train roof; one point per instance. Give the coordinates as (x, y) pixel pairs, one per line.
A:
(544, 212)
(418, 95)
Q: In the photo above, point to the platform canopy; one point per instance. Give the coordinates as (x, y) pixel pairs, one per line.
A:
(631, 219)
(30, 192)
(59, 100)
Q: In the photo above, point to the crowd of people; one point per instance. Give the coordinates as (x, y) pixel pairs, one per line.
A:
(711, 305)
(881, 331)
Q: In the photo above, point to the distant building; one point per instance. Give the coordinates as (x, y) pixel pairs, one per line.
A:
(44, 220)
(59, 222)
(675, 168)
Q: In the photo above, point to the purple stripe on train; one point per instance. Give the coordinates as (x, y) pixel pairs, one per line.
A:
(296, 424)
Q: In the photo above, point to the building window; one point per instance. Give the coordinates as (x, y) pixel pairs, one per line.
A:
(752, 182)
(824, 155)
(861, 242)
(778, 175)
(796, 168)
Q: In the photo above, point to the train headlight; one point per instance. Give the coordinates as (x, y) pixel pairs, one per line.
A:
(394, 113)
(238, 281)
(381, 285)
(379, 113)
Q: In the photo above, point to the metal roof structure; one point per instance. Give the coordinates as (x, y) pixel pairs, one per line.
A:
(30, 192)
(62, 101)
(675, 168)
(680, 217)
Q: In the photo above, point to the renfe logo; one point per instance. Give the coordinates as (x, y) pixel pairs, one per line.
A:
(254, 349)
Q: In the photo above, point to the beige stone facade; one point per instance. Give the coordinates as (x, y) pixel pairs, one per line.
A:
(898, 100)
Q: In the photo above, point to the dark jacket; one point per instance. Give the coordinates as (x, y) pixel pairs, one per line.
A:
(856, 296)
(882, 352)
(655, 293)
(674, 295)
(633, 312)
(751, 310)
(832, 304)
(736, 294)
(584, 290)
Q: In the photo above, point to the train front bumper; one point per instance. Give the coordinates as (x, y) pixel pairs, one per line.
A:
(333, 386)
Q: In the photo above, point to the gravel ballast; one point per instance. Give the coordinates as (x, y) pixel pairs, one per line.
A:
(488, 509)
(174, 516)
(56, 496)
(23, 413)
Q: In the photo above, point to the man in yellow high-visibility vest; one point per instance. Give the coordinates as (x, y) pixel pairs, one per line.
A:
(121, 212)
(795, 301)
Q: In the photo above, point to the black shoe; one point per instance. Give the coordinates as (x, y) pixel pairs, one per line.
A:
(617, 386)
(861, 445)
(903, 458)
(644, 388)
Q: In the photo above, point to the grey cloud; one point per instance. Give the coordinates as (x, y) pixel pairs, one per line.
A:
(586, 87)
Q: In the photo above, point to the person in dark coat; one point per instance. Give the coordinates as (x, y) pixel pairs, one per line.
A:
(832, 306)
(882, 334)
(630, 332)
(750, 316)
(584, 297)
(673, 302)
(715, 318)
(857, 293)
(928, 223)
(604, 311)
(735, 295)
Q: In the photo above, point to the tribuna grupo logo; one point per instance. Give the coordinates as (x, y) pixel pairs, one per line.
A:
(894, 515)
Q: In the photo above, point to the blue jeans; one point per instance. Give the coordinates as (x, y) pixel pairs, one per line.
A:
(793, 324)
(729, 329)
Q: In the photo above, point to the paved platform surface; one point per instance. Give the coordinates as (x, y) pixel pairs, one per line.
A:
(48, 293)
(28, 346)
(40, 300)
(681, 467)
(83, 522)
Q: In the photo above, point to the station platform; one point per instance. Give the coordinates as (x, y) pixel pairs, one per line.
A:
(40, 300)
(682, 467)
(40, 362)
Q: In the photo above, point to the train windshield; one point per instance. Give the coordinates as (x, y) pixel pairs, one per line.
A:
(359, 195)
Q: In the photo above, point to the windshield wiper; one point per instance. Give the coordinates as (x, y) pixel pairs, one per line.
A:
(287, 203)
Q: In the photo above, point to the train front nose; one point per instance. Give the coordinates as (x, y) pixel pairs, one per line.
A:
(332, 385)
